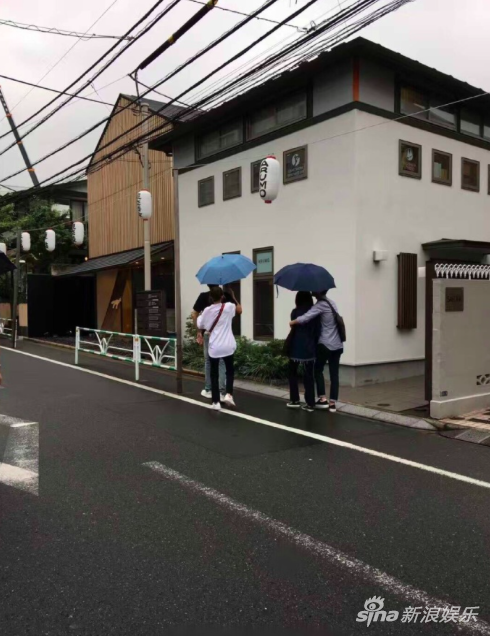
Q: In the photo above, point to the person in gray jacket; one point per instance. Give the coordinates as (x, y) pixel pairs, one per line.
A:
(329, 349)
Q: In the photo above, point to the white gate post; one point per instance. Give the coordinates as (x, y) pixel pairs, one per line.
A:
(77, 343)
(136, 356)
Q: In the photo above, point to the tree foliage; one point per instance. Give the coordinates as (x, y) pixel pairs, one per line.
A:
(36, 216)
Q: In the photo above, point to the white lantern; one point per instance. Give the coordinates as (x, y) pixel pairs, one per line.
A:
(78, 232)
(25, 240)
(3, 248)
(50, 240)
(269, 178)
(144, 204)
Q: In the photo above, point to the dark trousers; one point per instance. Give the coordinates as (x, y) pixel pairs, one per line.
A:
(324, 355)
(230, 376)
(308, 381)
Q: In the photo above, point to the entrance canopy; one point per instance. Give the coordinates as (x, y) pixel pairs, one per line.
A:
(120, 259)
(460, 249)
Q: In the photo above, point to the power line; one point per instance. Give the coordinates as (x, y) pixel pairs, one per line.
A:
(61, 59)
(84, 37)
(172, 74)
(293, 26)
(152, 90)
(143, 31)
(302, 42)
(121, 150)
(53, 90)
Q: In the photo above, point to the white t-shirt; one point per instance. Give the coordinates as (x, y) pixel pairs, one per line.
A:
(222, 342)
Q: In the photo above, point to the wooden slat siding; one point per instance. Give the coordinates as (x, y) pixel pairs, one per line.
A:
(114, 225)
(407, 291)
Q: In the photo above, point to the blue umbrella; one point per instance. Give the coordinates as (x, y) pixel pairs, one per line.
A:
(304, 277)
(225, 269)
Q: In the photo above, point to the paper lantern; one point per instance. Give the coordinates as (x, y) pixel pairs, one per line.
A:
(144, 204)
(50, 240)
(269, 178)
(78, 233)
(25, 241)
(3, 248)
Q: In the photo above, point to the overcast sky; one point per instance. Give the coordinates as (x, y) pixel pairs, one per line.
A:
(450, 35)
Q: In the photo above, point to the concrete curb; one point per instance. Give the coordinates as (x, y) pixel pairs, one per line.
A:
(281, 393)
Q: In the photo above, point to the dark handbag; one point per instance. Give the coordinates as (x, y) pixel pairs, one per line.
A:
(286, 347)
(339, 321)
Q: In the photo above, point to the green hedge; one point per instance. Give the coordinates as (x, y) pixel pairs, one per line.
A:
(252, 361)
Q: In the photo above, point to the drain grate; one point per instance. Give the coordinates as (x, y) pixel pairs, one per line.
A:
(477, 437)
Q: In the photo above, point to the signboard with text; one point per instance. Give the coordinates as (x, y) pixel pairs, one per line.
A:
(151, 309)
(296, 164)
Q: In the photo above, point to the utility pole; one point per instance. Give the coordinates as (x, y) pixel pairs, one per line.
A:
(146, 186)
(178, 308)
(35, 181)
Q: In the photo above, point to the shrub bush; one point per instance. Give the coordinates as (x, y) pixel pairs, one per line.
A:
(253, 361)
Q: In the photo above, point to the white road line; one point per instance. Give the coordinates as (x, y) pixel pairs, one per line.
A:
(390, 584)
(13, 422)
(282, 427)
(19, 465)
(19, 478)
(22, 424)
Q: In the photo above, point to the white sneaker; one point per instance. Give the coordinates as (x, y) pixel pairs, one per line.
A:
(228, 400)
(206, 394)
(222, 397)
(216, 406)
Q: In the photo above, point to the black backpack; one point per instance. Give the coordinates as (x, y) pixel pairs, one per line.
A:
(339, 321)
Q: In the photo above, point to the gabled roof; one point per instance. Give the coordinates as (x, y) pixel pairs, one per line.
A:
(170, 112)
(301, 74)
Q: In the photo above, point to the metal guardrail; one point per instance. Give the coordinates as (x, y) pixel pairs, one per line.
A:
(140, 350)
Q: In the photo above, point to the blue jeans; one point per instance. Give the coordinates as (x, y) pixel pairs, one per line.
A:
(207, 369)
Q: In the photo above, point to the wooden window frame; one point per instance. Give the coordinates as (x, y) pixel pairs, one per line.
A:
(198, 140)
(263, 277)
(470, 188)
(285, 180)
(449, 182)
(234, 196)
(401, 172)
(203, 205)
(275, 103)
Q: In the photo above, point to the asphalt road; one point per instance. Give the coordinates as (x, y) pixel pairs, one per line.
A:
(158, 516)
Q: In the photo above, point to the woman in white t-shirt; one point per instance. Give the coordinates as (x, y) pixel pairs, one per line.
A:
(216, 320)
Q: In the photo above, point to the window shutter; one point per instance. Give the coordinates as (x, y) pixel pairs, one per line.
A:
(407, 291)
(205, 192)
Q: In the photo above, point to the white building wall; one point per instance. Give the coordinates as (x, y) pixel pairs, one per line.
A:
(311, 221)
(398, 214)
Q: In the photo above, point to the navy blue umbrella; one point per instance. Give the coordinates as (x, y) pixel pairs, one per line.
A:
(304, 277)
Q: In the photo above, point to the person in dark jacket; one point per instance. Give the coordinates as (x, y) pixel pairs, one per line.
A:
(302, 350)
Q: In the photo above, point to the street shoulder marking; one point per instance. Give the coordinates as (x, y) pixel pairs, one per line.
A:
(13, 422)
(250, 418)
(320, 549)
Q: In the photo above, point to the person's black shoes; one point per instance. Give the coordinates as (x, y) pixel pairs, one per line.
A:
(321, 405)
(308, 408)
(293, 405)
